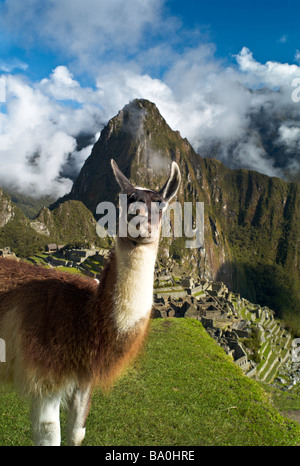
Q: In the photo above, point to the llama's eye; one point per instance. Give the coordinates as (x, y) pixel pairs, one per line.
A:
(132, 197)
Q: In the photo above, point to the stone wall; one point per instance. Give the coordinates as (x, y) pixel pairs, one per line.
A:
(230, 320)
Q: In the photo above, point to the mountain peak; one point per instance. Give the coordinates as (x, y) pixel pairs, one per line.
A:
(132, 117)
(142, 144)
(139, 118)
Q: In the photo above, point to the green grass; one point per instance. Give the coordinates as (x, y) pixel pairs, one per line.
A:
(199, 293)
(69, 270)
(183, 390)
(285, 400)
(14, 420)
(40, 259)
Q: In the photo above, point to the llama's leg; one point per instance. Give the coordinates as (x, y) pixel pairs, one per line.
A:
(78, 406)
(45, 420)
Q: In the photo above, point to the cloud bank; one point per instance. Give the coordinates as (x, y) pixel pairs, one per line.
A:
(39, 130)
(242, 112)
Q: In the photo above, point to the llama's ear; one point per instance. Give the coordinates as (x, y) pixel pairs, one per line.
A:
(123, 182)
(169, 190)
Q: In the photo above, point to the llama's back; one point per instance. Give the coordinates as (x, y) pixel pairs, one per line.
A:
(42, 316)
(14, 272)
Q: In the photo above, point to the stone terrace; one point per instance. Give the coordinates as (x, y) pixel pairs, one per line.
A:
(229, 319)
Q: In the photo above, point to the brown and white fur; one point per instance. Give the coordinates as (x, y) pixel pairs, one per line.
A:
(65, 334)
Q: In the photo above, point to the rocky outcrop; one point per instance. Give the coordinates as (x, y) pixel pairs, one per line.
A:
(6, 209)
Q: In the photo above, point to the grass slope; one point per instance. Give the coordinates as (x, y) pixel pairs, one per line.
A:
(183, 390)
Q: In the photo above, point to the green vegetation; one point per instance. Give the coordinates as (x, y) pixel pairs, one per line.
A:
(30, 206)
(253, 343)
(94, 264)
(177, 248)
(183, 390)
(70, 222)
(284, 400)
(70, 270)
(271, 285)
(20, 236)
(38, 259)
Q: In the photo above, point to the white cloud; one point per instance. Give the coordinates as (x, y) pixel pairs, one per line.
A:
(118, 86)
(61, 84)
(271, 74)
(289, 136)
(12, 64)
(37, 135)
(83, 31)
(208, 101)
(205, 100)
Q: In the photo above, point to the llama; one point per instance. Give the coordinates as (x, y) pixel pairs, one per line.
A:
(66, 334)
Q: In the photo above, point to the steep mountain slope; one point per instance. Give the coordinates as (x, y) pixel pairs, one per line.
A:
(29, 205)
(251, 220)
(70, 222)
(15, 229)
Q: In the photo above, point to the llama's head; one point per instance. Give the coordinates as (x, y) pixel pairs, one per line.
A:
(142, 211)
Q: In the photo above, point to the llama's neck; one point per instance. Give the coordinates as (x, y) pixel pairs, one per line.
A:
(134, 285)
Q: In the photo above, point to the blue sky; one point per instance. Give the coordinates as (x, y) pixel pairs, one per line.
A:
(67, 66)
(269, 28)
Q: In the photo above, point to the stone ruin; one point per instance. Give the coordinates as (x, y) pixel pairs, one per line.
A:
(60, 255)
(6, 252)
(228, 318)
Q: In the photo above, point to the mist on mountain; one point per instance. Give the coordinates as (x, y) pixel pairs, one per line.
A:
(246, 114)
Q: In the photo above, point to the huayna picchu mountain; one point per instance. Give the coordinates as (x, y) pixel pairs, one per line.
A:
(251, 232)
(251, 220)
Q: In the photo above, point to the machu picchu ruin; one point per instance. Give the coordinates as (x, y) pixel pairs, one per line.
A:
(6, 252)
(76, 257)
(258, 343)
